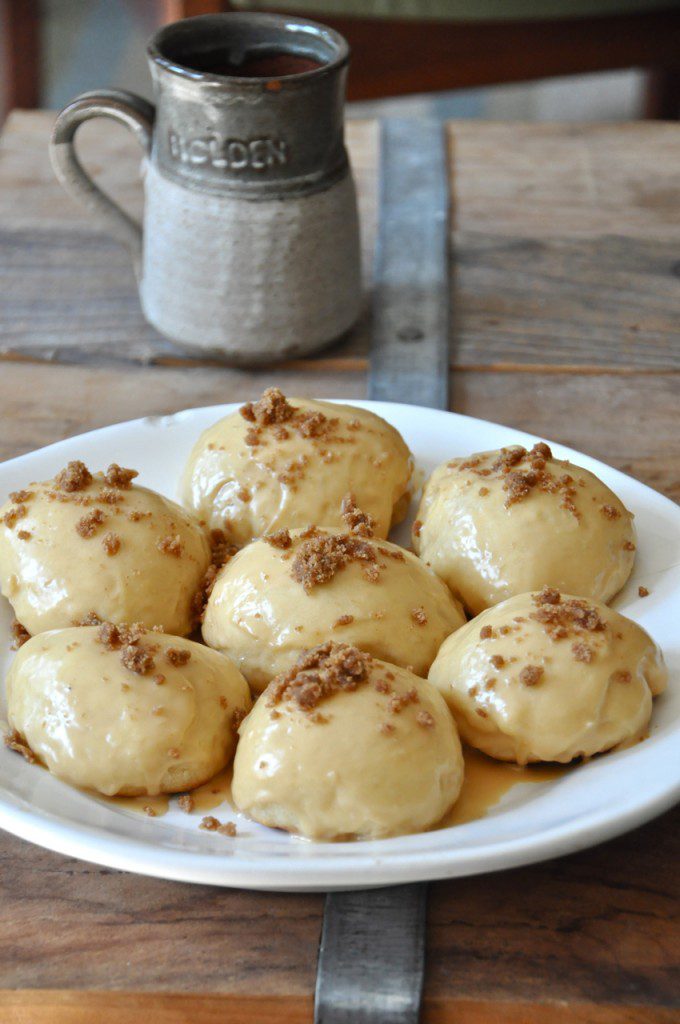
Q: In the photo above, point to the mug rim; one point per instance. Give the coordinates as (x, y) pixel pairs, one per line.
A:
(281, 21)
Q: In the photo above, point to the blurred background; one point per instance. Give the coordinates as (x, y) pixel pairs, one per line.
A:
(548, 60)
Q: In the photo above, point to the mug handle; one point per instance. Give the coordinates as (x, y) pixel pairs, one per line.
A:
(125, 107)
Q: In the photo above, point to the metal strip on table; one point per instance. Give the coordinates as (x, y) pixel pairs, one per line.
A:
(372, 953)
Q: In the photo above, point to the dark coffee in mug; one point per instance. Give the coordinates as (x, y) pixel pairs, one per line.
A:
(258, 64)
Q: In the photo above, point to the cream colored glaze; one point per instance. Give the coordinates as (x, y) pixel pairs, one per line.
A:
(487, 553)
(264, 618)
(487, 781)
(207, 797)
(372, 462)
(96, 724)
(344, 778)
(56, 578)
(576, 709)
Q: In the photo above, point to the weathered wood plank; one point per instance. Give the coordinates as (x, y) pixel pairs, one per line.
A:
(599, 926)
(55, 1007)
(566, 248)
(628, 421)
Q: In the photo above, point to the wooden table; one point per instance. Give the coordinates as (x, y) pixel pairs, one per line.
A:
(566, 293)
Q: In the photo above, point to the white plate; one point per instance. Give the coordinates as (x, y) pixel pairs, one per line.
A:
(532, 822)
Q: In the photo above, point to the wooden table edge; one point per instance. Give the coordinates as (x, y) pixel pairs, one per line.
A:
(58, 1006)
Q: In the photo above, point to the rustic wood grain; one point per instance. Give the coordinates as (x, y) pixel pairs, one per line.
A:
(565, 249)
(595, 927)
(54, 1007)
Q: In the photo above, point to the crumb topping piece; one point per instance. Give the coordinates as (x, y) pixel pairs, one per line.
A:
(272, 407)
(171, 545)
(117, 476)
(177, 656)
(111, 543)
(14, 741)
(75, 477)
(237, 716)
(343, 620)
(88, 524)
(128, 640)
(186, 803)
(359, 523)
(280, 539)
(522, 472)
(643, 592)
(220, 553)
(419, 616)
(561, 619)
(273, 411)
(20, 497)
(319, 673)
(212, 824)
(425, 720)
(19, 635)
(321, 556)
(531, 675)
(13, 515)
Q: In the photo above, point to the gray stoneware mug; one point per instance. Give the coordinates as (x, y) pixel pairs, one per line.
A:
(250, 243)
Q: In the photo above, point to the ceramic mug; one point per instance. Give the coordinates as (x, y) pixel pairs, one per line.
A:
(250, 242)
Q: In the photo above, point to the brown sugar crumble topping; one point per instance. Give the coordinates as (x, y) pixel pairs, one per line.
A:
(170, 545)
(610, 512)
(237, 716)
(19, 635)
(319, 673)
(117, 476)
(643, 592)
(13, 515)
(582, 652)
(621, 676)
(417, 527)
(137, 659)
(561, 619)
(344, 620)
(127, 639)
(280, 539)
(321, 556)
(76, 477)
(274, 412)
(14, 741)
(272, 407)
(628, 545)
(419, 616)
(531, 675)
(186, 803)
(111, 543)
(399, 701)
(177, 655)
(211, 824)
(88, 524)
(519, 481)
(20, 497)
(359, 523)
(497, 660)
(486, 633)
(220, 553)
(425, 719)
(24, 534)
